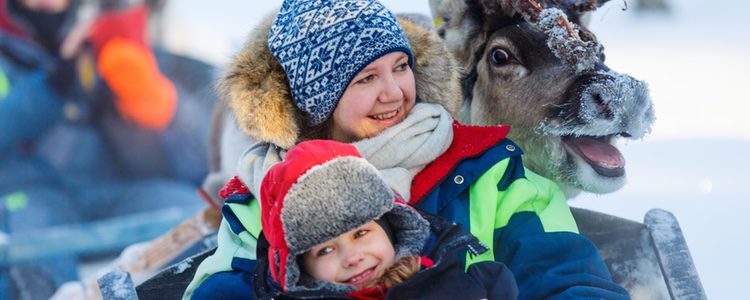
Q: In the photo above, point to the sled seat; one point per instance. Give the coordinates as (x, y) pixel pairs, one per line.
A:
(650, 259)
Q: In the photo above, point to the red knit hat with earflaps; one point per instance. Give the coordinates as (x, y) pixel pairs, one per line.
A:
(321, 190)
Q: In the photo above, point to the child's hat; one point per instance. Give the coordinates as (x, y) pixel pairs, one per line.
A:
(321, 190)
(323, 44)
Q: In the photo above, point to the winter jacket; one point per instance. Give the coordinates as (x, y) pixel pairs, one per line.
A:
(479, 182)
(444, 276)
(29, 105)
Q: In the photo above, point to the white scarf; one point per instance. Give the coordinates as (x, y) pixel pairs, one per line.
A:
(399, 152)
(402, 151)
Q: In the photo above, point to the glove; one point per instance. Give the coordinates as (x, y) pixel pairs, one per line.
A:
(143, 94)
(129, 68)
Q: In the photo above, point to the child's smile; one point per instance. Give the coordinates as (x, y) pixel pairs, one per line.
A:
(358, 257)
(363, 279)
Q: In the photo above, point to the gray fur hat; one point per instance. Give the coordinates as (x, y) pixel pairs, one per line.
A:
(321, 190)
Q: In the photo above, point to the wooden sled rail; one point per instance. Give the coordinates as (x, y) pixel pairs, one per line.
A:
(650, 259)
(91, 238)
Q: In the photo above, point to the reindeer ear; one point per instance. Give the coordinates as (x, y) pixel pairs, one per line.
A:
(452, 22)
(461, 27)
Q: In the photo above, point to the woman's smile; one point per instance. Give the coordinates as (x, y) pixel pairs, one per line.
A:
(386, 116)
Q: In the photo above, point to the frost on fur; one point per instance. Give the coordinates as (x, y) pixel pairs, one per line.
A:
(563, 40)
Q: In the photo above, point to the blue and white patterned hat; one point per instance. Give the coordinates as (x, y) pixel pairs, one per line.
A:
(323, 44)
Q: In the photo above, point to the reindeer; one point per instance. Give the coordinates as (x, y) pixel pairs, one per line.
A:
(533, 65)
(528, 64)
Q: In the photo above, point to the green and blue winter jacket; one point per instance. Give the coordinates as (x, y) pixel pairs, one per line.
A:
(479, 182)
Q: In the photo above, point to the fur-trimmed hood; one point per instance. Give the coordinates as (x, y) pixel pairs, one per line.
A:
(322, 190)
(255, 86)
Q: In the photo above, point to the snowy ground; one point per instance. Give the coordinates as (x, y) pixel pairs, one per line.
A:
(694, 162)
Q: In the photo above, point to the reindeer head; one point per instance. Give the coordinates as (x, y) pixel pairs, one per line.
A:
(532, 65)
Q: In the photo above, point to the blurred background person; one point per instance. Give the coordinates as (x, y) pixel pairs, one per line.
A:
(91, 125)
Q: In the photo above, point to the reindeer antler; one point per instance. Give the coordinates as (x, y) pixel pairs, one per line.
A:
(562, 35)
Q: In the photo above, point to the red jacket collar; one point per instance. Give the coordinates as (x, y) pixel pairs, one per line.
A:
(233, 187)
(372, 293)
(468, 141)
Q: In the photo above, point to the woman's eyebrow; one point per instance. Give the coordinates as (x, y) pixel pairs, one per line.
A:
(367, 69)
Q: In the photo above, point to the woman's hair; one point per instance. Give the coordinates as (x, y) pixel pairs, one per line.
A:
(401, 271)
(307, 132)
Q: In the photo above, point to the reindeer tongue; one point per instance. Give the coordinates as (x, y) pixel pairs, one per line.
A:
(604, 158)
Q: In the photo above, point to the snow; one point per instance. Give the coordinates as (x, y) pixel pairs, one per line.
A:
(183, 265)
(75, 290)
(118, 284)
(642, 272)
(694, 162)
(671, 174)
(131, 255)
(70, 290)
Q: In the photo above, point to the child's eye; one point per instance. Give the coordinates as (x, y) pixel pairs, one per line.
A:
(360, 233)
(402, 67)
(324, 251)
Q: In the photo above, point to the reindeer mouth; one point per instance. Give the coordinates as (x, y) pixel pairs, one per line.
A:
(598, 152)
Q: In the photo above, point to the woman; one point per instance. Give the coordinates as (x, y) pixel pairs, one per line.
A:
(345, 70)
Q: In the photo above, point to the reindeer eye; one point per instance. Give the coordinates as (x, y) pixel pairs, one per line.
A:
(499, 57)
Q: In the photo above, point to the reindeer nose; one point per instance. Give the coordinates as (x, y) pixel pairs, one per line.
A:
(598, 102)
(596, 97)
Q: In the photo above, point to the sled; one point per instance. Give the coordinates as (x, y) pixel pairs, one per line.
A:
(650, 259)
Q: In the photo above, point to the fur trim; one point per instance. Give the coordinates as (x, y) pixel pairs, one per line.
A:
(331, 199)
(256, 88)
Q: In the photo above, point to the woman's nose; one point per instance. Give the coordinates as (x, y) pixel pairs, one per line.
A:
(391, 91)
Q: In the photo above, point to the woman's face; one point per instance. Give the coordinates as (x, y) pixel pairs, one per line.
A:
(358, 257)
(379, 96)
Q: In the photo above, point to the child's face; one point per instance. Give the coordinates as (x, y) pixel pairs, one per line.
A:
(358, 257)
(379, 96)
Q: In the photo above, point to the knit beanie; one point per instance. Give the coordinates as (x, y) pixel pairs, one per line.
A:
(321, 190)
(323, 44)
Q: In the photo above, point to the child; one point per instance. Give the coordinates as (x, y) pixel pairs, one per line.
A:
(333, 227)
(348, 70)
